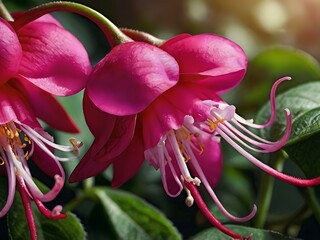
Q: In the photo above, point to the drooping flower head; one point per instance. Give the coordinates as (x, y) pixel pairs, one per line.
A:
(37, 60)
(162, 104)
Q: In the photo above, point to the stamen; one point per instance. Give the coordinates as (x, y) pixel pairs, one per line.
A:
(59, 181)
(284, 177)
(189, 199)
(11, 184)
(55, 214)
(76, 144)
(205, 182)
(206, 212)
(40, 140)
(159, 157)
(181, 160)
(213, 123)
(186, 134)
(35, 135)
(196, 181)
(272, 105)
(265, 148)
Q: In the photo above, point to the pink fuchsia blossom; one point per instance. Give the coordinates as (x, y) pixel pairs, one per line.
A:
(176, 128)
(37, 60)
(42, 59)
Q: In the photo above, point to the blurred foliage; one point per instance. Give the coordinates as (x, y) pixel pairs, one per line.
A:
(244, 231)
(280, 38)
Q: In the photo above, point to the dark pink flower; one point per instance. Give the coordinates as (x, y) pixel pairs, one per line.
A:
(146, 112)
(37, 61)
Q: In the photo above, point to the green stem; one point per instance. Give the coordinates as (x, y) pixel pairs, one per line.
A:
(143, 37)
(88, 183)
(88, 193)
(265, 193)
(313, 202)
(4, 13)
(112, 32)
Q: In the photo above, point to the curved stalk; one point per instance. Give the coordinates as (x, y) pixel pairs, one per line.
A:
(4, 13)
(265, 193)
(313, 202)
(112, 32)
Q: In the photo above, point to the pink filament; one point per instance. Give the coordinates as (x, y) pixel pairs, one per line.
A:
(27, 207)
(284, 177)
(55, 214)
(11, 185)
(206, 212)
(272, 105)
(265, 146)
(212, 194)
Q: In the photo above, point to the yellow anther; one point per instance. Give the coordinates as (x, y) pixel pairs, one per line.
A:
(213, 124)
(185, 134)
(201, 148)
(8, 132)
(75, 144)
(1, 161)
(26, 139)
(26, 155)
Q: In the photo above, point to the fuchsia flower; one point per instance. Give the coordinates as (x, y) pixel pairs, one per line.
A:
(38, 60)
(163, 105)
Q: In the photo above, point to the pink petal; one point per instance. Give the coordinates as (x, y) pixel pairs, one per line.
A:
(209, 59)
(47, 108)
(53, 59)
(130, 77)
(102, 128)
(13, 107)
(210, 161)
(103, 150)
(128, 162)
(10, 52)
(45, 162)
(88, 166)
(20, 16)
(175, 39)
(167, 112)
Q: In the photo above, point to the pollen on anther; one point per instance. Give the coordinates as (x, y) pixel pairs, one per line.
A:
(201, 146)
(75, 144)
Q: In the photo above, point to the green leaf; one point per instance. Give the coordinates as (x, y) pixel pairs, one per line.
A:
(132, 218)
(69, 228)
(274, 63)
(304, 104)
(17, 223)
(260, 234)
